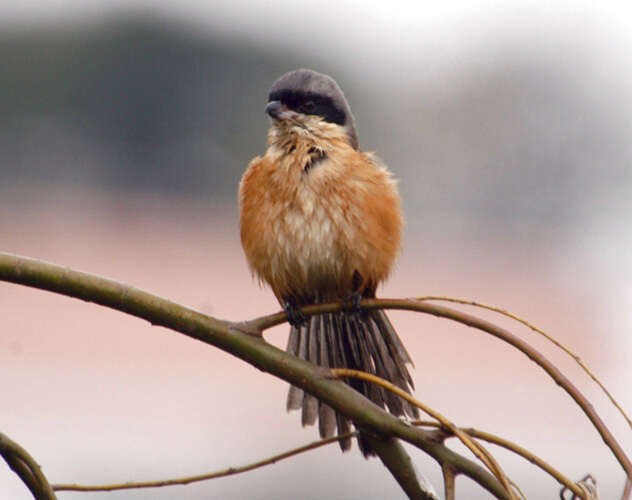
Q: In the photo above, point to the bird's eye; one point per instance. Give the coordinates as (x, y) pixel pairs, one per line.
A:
(308, 107)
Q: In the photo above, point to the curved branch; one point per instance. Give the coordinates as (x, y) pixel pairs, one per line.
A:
(479, 451)
(26, 468)
(237, 339)
(504, 443)
(555, 342)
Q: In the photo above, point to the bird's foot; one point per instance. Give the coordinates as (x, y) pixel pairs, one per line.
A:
(295, 316)
(353, 304)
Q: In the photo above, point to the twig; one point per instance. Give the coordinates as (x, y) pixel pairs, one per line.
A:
(545, 335)
(627, 489)
(520, 492)
(203, 477)
(504, 443)
(588, 486)
(479, 451)
(23, 464)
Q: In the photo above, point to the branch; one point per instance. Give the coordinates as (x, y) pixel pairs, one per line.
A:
(518, 450)
(559, 345)
(588, 486)
(26, 468)
(481, 453)
(237, 339)
(202, 477)
(391, 451)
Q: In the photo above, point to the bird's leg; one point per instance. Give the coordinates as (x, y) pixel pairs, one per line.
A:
(295, 316)
(352, 303)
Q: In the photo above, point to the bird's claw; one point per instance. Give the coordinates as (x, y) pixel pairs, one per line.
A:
(353, 304)
(295, 316)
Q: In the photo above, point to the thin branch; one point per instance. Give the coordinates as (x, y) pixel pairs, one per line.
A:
(238, 339)
(551, 339)
(520, 492)
(203, 477)
(504, 443)
(25, 466)
(588, 486)
(479, 451)
(389, 452)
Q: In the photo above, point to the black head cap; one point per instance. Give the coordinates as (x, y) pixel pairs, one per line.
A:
(309, 92)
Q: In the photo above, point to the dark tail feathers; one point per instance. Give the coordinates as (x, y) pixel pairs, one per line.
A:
(362, 341)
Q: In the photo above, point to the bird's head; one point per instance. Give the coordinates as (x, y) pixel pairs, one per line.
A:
(305, 102)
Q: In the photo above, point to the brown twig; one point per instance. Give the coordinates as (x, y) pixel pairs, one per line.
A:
(627, 489)
(588, 486)
(203, 477)
(504, 443)
(479, 451)
(551, 339)
(23, 464)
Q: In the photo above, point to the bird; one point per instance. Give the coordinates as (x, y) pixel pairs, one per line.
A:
(321, 221)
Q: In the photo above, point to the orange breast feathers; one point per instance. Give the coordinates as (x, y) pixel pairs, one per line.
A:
(311, 226)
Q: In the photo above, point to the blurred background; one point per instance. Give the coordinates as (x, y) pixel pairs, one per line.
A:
(124, 129)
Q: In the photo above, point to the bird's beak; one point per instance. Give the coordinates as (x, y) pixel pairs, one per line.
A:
(279, 111)
(276, 110)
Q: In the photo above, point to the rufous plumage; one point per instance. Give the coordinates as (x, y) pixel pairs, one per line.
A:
(322, 221)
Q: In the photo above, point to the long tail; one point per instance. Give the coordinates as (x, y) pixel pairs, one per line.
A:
(362, 341)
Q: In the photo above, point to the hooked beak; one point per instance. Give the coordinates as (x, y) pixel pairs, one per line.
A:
(275, 110)
(279, 111)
